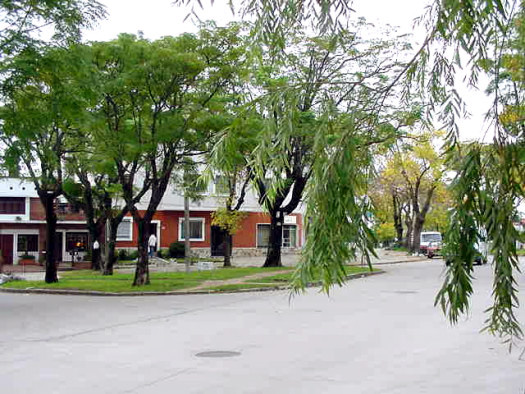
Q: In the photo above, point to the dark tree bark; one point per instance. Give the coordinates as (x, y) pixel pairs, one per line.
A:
(273, 254)
(142, 269)
(409, 225)
(228, 245)
(277, 212)
(110, 244)
(95, 234)
(398, 224)
(48, 200)
(159, 185)
(419, 219)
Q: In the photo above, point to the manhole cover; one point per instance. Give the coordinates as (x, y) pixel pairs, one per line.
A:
(218, 353)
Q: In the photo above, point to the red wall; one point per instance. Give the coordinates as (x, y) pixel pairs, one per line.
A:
(169, 232)
(246, 236)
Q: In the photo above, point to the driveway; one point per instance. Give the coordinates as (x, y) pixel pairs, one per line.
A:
(379, 334)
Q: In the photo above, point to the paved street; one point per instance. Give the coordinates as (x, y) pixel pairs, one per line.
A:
(379, 334)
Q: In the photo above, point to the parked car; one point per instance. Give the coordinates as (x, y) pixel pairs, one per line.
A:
(481, 255)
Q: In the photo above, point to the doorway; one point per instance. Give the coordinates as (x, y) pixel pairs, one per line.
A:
(218, 237)
(6, 247)
(153, 230)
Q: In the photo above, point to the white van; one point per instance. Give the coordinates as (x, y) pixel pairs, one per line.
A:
(429, 237)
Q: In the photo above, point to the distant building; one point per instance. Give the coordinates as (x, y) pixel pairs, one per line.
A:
(23, 230)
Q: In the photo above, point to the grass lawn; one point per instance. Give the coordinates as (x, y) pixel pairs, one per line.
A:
(521, 252)
(241, 286)
(119, 282)
(285, 278)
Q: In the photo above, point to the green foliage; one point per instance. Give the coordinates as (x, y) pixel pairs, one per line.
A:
(229, 221)
(176, 250)
(125, 254)
(164, 253)
(385, 232)
(486, 191)
(22, 20)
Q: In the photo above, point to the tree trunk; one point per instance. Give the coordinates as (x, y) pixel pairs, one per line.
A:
(95, 232)
(228, 243)
(398, 225)
(273, 255)
(142, 269)
(408, 241)
(419, 220)
(418, 228)
(51, 235)
(110, 246)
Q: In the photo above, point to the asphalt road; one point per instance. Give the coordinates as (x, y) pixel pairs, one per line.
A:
(380, 334)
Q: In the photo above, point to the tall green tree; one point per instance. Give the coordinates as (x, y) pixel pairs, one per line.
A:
(489, 184)
(23, 20)
(230, 158)
(43, 121)
(482, 32)
(321, 86)
(162, 99)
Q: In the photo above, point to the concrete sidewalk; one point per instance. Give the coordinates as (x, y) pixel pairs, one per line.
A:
(288, 260)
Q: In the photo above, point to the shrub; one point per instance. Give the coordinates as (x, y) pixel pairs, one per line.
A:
(176, 250)
(163, 253)
(134, 254)
(123, 254)
(27, 257)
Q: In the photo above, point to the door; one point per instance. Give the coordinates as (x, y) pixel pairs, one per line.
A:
(153, 230)
(6, 246)
(218, 237)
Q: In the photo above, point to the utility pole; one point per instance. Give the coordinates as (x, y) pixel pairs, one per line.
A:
(187, 249)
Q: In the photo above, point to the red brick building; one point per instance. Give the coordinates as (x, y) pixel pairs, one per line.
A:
(23, 230)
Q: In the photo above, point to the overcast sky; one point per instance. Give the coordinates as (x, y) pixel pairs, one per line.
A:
(157, 18)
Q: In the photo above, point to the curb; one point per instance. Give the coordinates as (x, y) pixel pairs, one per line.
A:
(170, 293)
(413, 260)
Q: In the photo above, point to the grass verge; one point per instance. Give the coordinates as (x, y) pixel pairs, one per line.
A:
(121, 282)
(240, 286)
(285, 278)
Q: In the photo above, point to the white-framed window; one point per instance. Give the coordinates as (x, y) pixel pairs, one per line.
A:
(289, 236)
(289, 239)
(196, 229)
(27, 243)
(125, 230)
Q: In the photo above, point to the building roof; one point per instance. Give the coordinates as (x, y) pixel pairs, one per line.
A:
(15, 187)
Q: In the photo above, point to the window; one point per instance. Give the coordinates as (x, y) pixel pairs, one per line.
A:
(289, 236)
(12, 206)
(125, 230)
(76, 241)
(27, 243)
(196, 229)
(222, 185)
(263, 235)
(431, 237)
